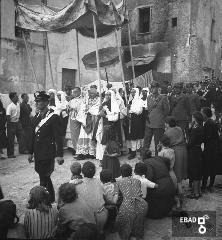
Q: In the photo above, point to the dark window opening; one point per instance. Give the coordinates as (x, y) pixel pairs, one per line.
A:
(68, 77)
(213, 33)
(174, 22)
(144, 20)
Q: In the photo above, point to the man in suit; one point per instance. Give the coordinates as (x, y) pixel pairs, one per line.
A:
(47, 144)
(180, 107)
(194, 99)
(158, 109)
(25, 119)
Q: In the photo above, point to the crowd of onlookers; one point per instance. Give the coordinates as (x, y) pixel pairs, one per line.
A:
(16, 119)
(185, 121)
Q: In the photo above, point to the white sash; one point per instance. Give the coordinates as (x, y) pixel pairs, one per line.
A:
(43, 121)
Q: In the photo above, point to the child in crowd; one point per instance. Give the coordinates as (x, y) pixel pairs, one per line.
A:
(41, 218)
(140, 172)
(167, 152)
(110, 196)
(76, 170)
(110, 159)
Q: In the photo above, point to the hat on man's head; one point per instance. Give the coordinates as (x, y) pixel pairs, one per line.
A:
(41, 96)
(154, 84)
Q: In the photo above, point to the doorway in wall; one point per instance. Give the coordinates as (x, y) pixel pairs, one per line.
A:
(68, 77)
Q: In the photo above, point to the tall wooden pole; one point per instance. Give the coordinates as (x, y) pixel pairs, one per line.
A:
(121, 62)
(49, 59)
(30, 60)
(97, 57)
(78, 57)
(130, 46)
(107, 78)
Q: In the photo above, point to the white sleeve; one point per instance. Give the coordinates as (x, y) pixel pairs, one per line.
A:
(8, 110)
(149, 184)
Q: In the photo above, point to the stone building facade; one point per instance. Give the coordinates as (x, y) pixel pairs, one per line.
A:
(15, 69)
(190, 28)
(180, 40)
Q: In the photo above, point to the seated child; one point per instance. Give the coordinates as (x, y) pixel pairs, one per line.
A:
(167, 152)
(76, 170)
(140, 172)
(110, 196)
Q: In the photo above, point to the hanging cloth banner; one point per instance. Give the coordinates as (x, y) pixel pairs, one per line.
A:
(77, 15)
(144, 80)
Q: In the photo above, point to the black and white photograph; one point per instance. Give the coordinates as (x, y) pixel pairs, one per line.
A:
(111, 119)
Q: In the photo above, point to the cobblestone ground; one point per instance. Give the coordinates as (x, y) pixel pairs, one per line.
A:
(17, 177)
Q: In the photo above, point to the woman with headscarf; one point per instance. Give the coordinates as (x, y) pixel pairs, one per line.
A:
(111, 134)
(122, 117)
(52, 99)
(62, 105)
(107, 129)
(135, 133)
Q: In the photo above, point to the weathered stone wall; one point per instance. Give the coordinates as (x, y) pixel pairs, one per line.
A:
(192, 53)
(15, 69)
(158, 27)
(178, 38)
(159, 11)
(205, 53)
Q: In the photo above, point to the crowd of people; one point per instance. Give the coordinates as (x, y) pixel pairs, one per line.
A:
(185, 122)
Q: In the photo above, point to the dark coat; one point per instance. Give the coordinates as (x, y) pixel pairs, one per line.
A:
(3, 138)
(180, 107)
(134, 127)
(160, 199)
(157, 111)
(25, 111)
(211, 157)
(47, 144)
(195, 156)
(195, 104)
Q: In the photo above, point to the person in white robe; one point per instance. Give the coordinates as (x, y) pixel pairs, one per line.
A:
(135, 123)
(73, 128)
(62, 107)
(87, 116)
(109, 114)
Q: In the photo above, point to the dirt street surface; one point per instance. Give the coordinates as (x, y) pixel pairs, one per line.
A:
(17, 177)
